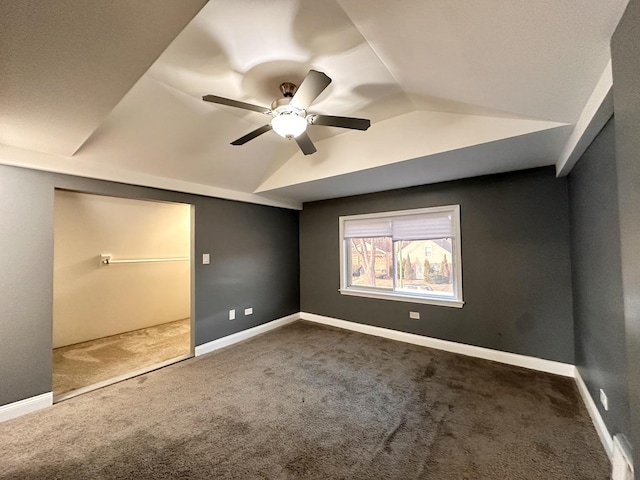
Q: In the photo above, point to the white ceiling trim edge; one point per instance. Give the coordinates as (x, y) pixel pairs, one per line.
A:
(17, 157)
(432, 133)
(594, 116)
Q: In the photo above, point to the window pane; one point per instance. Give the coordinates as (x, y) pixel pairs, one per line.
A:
(425, 266)
(407, 255)
(371, 262)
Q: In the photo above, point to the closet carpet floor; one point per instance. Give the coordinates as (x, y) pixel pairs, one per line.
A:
(89, 363)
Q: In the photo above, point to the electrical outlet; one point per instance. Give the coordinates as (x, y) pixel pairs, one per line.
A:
(232, 314)
(248, 311)
(604, 400)
(414, 315)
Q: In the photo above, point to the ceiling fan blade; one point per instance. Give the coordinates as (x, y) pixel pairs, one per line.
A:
(251, 135)
(312, 86)
(235, 103)
(342, 122)
(305, 144)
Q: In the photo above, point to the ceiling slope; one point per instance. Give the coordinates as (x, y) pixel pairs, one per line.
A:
(537, 59)
(493, 157)
(416, 135)
(66, 64)
(453, 89)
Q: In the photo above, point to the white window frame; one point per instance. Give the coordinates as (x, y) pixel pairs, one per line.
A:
(386, 294)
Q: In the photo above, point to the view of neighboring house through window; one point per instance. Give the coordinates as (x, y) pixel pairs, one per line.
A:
(411, 255)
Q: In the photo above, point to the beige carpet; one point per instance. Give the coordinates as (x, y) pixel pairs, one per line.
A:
(312, 402)
(88, 363)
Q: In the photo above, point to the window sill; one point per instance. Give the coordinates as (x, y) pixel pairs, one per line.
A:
(399, 297)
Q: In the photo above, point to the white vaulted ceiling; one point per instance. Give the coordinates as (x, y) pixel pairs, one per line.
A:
(453, 89)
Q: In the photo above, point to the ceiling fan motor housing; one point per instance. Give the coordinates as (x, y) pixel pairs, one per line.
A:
(280, 102)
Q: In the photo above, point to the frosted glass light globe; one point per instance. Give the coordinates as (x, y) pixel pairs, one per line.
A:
(289, 125)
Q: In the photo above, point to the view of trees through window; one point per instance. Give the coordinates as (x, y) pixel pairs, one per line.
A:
(416, 266)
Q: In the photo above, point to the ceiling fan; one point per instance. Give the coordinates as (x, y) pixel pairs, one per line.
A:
(290, 116)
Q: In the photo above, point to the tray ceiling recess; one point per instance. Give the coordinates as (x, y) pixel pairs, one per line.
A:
(114, 90)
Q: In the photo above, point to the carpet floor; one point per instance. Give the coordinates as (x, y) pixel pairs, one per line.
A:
(87, 363)
(313, 402)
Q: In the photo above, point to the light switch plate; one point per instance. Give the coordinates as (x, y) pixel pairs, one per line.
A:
(206, 259)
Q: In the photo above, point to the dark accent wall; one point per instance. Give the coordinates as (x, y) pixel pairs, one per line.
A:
(254, 263)
(597, 280)
(626, 99)
(515, 254)
(26, 284)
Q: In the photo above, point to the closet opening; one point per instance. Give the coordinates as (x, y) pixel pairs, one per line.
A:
(122, 289)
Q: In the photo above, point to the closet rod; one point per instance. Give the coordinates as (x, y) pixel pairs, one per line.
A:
(105, 259)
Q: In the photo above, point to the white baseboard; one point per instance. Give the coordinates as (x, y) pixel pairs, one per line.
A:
(28, 405)
(596, 418)
(532, 363)
(244, 335)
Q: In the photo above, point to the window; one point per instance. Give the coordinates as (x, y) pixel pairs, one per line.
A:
(410, 255)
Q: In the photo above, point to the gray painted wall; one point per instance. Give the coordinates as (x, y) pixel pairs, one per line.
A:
(254, 263)
(516, 264)
(26, 284)
(626, 98)
(597, 280)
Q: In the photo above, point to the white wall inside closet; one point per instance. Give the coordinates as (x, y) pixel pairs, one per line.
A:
(92, 301)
